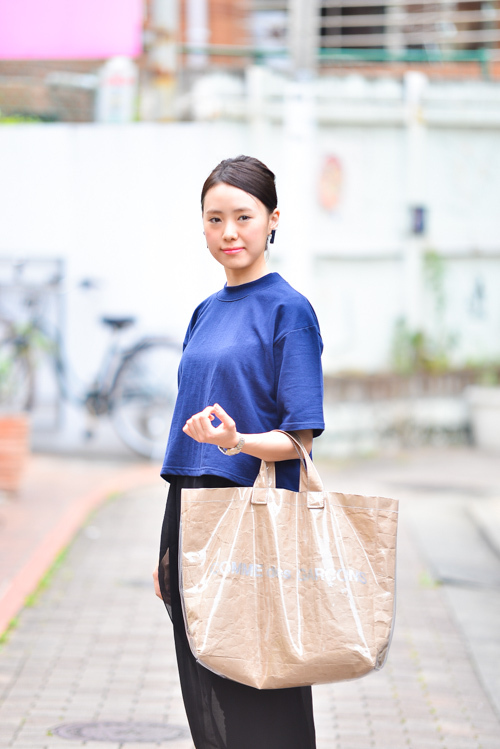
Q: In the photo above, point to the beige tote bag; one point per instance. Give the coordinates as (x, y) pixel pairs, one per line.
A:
(285, 589)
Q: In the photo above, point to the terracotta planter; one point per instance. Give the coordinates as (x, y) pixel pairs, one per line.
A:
(14, 449)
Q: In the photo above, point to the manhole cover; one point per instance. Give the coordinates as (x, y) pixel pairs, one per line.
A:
(120, 732)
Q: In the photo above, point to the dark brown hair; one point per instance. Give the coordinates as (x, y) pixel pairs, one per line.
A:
(248, 174)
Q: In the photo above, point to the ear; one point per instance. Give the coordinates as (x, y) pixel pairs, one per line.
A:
(274, 219)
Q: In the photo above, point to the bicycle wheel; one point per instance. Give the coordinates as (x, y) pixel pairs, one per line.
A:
(143, 397)
(16, 370)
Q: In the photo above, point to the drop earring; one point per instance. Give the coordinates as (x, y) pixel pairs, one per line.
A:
(273, 234)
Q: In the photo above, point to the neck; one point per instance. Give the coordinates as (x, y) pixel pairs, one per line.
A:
(236, 277)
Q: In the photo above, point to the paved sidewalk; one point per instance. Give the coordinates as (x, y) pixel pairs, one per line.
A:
(56, 496)
(96, 646)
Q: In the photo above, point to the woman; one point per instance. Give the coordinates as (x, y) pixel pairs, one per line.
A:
(251, 364)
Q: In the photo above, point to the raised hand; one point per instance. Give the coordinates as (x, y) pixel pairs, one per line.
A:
(200, 427)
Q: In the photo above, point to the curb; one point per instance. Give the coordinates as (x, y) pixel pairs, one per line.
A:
(25, 581)
(486, 516)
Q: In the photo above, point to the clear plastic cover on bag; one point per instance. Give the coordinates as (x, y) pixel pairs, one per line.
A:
(284, 588)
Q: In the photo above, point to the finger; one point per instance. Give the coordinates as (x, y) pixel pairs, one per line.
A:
(223, 416)
(198, 427)
(190, 430)
(202, 415)
(206, 413)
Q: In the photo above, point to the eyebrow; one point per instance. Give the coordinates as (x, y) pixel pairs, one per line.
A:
(236, 210)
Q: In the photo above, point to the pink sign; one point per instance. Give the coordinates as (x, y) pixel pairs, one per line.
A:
(69, 29)
(330, 183)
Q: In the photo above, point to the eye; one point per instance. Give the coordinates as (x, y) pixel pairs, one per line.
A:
(244, 217)
(213, 220)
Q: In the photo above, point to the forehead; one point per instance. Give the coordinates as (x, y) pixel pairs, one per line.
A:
(227, 198)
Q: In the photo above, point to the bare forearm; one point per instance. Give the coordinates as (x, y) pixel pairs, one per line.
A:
(270, 446)
(275, 446)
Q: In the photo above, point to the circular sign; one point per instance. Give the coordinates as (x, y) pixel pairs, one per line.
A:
(330, 183)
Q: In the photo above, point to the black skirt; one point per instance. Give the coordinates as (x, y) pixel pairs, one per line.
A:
(223, 714)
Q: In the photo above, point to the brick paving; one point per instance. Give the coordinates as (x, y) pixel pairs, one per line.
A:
(97, 646)
(428, 694)
(55, 498)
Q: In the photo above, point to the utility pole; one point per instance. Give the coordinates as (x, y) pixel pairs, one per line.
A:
(303, 34)
(300, 143)
(395, 14)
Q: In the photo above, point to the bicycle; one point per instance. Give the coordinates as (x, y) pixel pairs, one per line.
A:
(135, 386)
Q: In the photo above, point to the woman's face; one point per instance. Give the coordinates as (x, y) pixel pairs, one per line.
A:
(236, 226)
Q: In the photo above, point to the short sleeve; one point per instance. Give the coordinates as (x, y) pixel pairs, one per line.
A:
(200, 309)
(299, 380)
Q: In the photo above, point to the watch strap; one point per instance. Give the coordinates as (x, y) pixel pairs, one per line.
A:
(233, 450)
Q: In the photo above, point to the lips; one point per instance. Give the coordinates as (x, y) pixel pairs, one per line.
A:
(231, 250)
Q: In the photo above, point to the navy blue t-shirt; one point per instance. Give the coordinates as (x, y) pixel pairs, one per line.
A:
(256, 350)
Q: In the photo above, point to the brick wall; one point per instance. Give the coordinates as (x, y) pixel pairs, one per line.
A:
(228, 22)
(24, 91)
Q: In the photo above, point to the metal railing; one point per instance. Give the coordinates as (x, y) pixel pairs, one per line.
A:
(398, 30)
(400, 25)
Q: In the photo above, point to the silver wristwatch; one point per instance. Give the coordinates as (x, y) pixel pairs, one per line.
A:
(233, 450)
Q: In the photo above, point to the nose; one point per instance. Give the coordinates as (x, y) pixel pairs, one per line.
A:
(230, 230)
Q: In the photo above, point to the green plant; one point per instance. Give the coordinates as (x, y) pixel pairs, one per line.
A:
(415, 351)
(47, 579)
(487, 371)
(420, 350)
(21, 346)
(443, 341)
(427, 581)
(489, 377)
(5, 371)
(10, 382)
(434, 278)
(19, 118)
(4, 636)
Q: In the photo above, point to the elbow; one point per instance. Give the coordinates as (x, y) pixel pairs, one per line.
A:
(306, 437)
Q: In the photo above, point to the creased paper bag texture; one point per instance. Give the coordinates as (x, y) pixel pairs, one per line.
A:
(286, 588)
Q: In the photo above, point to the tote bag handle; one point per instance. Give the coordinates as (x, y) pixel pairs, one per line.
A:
(310, 481)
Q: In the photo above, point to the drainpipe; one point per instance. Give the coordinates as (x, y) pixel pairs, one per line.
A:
(416, 194)
(158, 98)
(197, 31)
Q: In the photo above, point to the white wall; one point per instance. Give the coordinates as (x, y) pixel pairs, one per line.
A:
(370, 217)
(121, 204)
(463, 168)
